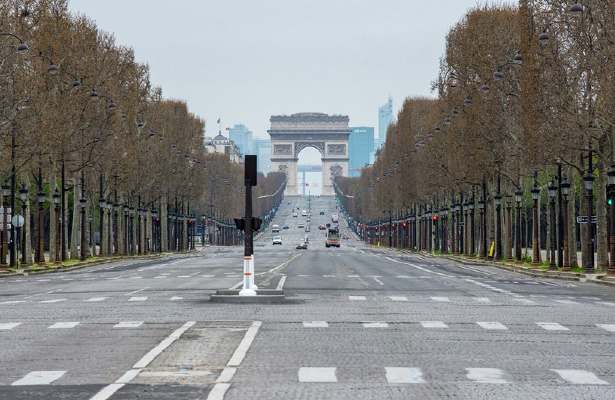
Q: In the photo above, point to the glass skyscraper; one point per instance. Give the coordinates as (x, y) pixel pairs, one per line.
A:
(385, 118)
(243, 138)
(360, 148)
(263, 154)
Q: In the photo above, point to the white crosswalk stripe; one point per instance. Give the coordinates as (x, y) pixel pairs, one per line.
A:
(579, 377)
(317, 374)
(137, 298)
(607, 327)
(552, 326)
(7, 326)
(434, 324)
(375, 325)
(357, 298)
(64, 325)
(176, 298)
(398, 298)
(486, 375)
(606, 303)
(566, 302)
(315, 324)
(96, 299)
(492, 325)
(482, 300)
(128, 324)
(525, 301)
(39, 378)
(404, 375)
(53, 301)
(441, 299)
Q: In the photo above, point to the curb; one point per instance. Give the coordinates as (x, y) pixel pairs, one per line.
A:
(93, 264)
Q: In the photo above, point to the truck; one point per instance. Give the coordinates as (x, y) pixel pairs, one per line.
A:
(333, 237)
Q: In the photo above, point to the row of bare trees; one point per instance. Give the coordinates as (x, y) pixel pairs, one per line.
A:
(525, 99)
(91, 153)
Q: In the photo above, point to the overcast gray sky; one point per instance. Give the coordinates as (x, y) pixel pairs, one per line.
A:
(245, 60)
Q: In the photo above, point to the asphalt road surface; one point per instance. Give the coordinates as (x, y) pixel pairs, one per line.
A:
(359, 323)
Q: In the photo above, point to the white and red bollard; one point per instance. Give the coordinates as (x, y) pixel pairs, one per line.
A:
(249, 287)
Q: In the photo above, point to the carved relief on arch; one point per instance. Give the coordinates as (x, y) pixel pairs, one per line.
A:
(320, 146)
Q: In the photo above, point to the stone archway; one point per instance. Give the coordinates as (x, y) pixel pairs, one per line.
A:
(326, 133)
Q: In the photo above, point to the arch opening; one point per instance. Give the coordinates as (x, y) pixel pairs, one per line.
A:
(309, 171)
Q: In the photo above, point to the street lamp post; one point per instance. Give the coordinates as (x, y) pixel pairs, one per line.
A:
(560, 225)
(390, 229)
(588, 182)
(56, 204)
(23, 196)
(610, 195)
(498, 225)
(552, 232)
(564, 223)
(40, 243)
(84, 238)
(518, 253)
(535, 231)
(483, 233)
(6, 191)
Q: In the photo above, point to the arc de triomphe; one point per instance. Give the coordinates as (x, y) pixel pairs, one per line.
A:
(326, 133)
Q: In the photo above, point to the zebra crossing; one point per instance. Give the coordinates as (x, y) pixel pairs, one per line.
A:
(479, 375)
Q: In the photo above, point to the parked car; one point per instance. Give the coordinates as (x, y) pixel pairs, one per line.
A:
(295, 215)
(302, 246)
(322, 213)
(285, 227)
(301, 226)
(277, 240)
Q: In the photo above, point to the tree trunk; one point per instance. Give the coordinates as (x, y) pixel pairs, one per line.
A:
(602, 243)
(163, 225)
(75, 235)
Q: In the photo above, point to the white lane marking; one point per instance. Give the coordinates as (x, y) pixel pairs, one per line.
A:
(53, 301)
(226, 375)
(492, 326)
(7, 326)
(136, 291)
(434, 324)
(404, 375)
(96, 299)
(552, 326)
(353, 276)
(375, 325)
(240, 283)
(317, 374)
(137, 298)
(357, 298)
(303, 276)
(245, 344)
(13, 302)
(43, 280)
(156, 351)
(525, 301)
(128, 324)
(108, 391)
(376, 278)
(492, 288)
(329, 276)
(160, 277)
(64, 325)
(579, 377)
(136, 277)
(606, 303)
(39, 378)
(441, 299)
(176, 298)
(218, 391)
(281, 283)
(482, 300)
(403, 277)
(607, 327)
(398, 298)
(208, 276)
(486, 375)
(315, 324)
(183, 276)
(566, 302)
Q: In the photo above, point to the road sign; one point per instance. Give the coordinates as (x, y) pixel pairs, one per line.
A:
(18, 221)
(582, 219)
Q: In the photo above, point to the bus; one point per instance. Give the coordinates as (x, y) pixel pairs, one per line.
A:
(333, 237)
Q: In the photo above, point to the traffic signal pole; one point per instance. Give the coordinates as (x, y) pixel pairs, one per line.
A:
(249, 287)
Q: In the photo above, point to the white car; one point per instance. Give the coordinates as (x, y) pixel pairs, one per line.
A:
(295, 215)
(277, 240)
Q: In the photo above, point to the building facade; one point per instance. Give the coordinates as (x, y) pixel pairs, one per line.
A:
(223, 145)
(385, 118)
(360, 149)
(263, 154)
(243, 138)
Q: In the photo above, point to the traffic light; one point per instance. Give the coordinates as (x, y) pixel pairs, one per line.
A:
(610, 195)
(256, 224)
(240, 223)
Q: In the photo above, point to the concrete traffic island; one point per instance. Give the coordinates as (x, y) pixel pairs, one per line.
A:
(263, 296)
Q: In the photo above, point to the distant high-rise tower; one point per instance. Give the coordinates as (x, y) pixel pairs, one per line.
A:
(243, 138)
(385, 118)
(263, 152)
(361, 148)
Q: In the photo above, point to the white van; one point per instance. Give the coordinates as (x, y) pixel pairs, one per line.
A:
(275, 228)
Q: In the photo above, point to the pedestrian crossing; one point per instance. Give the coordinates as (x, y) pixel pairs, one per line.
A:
(478, 375)
(397, 375)
(489, 326)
